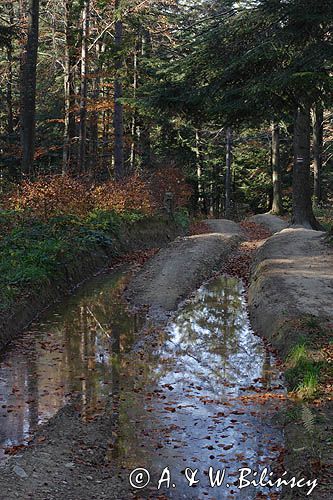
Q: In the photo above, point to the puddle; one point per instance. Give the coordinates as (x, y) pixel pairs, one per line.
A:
(69, 355)
(205, 397)
(199, 394)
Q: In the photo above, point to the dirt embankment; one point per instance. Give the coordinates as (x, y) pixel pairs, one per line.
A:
(145, 234)
(292, 278)
(271, 222)
(291, 303)
(181, 267)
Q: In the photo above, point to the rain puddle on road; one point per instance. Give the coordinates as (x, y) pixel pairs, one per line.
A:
(199, 394)
(205, 397)
(69, 354)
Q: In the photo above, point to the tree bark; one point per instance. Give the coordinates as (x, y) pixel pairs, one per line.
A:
(302, 206)
(318, 137)
(118, 119)
(200, 197)
(134, 116)
(10, 114)
(84, 87)
(146, 51)
(69, 90)
(277, 207)
(28, 87)
(94, 117)
(228, 177)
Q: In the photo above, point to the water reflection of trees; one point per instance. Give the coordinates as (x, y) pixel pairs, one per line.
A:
(71, 353)
(211, 338)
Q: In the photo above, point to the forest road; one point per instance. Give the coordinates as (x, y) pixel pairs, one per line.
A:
(181, 267)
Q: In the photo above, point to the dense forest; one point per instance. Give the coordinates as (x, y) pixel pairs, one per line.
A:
(233, 98)
(166, 236)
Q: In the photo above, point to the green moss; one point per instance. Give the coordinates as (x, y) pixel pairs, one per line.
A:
(33, 251)
(182, 218)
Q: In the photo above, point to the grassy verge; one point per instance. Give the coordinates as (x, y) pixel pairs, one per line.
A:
(34, 252)
(324, 215)
(309, 365)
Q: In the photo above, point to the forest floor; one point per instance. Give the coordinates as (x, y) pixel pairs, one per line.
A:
(66, 456)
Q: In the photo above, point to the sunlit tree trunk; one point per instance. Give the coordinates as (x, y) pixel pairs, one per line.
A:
(134, 117)
(277, 207)
(69, 90)
(145, 138)
(28, 84)
(318, 136)
(302, 205)
(228, 177)
(200, 198)
(84, 87)
(118, 120)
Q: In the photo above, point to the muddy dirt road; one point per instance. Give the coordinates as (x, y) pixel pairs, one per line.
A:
(196, 389)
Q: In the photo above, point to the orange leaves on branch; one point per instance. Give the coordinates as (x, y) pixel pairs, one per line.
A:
(171, 179)
(49, 196)
(131, 194)
(52, 195)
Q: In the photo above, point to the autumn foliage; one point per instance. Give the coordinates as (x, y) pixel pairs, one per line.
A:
(49, 196)
(132, 194)
(171, 179)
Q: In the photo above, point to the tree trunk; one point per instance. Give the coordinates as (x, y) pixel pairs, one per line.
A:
(277, 207)
(302, 206)
(28, 87)
(318, 137)
(200, 198)
(118, 120)
(134, 117)
(228, 177)
(94, 119)
(146, 51)
(69, 90)
(10, 114)
(84, 87)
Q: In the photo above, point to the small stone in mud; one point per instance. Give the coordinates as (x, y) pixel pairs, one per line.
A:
(69, 465)
(20, 472)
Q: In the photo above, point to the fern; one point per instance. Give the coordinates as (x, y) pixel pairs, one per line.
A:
(308, 419)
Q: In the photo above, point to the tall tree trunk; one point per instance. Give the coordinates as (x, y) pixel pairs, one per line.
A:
(134, 117)
(302, 206)
(118, 120)
(277, 207)
(69, 90)
(28, 87)
(200, 199)
(84, 87)
(10, 114)
(94, 120)
(318, 137)
(146, 51)
(228, 177)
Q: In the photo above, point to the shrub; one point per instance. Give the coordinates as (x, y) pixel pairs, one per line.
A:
(172, 180)
(132, 194)
(52, 195)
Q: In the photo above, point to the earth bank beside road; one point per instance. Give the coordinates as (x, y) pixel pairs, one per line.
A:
(291, 304)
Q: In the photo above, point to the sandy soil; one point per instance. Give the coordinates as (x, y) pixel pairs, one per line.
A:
(292, 277)
(292, 280)
(270, 222)
(181, 267)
